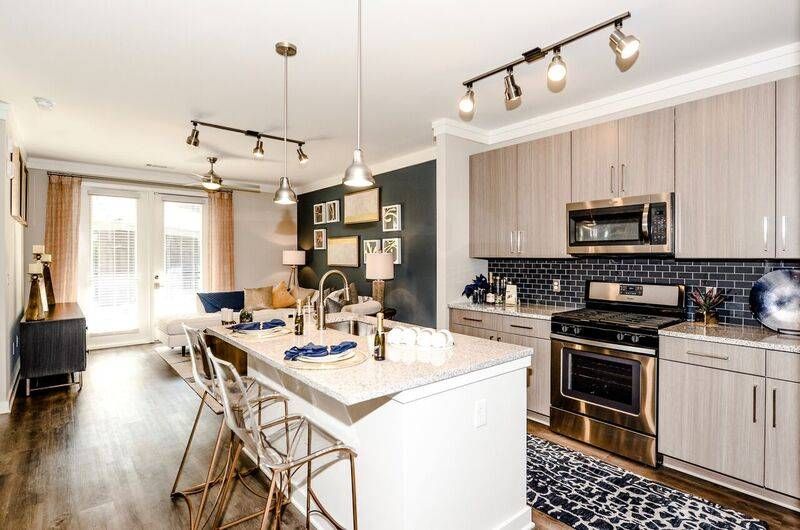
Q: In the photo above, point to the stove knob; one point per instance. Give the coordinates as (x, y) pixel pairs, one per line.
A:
(620, 336)
(564, 328)
(634, 338)
(576, 330)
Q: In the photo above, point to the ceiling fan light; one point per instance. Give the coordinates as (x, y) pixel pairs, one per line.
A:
(213, 184)
(557, 70)
(357, 174)
(285, 194)
(194, 137)
(302, 157)
(513, 93)
(625, 46)
(258, 150)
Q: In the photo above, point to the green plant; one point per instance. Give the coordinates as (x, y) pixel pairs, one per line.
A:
(707, 300)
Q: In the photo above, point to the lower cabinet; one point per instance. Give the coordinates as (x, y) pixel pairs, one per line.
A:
(782, 462)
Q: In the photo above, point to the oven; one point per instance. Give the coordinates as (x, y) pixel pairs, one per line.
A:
(624, 225)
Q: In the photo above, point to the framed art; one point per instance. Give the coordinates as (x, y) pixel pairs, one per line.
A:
(371, 246)
(393, 246)
(332, 212)
(319, 213)
(362, 207)
(320, 239)
(19, 188)
(390, 216)
(343, 251)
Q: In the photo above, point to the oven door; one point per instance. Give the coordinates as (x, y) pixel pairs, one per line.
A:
(604, 382)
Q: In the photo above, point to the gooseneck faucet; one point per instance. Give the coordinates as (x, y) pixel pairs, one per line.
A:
(321, 312)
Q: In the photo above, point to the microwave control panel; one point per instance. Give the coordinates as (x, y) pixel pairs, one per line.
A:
(658, 224)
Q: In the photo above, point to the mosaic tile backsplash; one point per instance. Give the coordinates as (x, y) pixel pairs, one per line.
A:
(534, 278)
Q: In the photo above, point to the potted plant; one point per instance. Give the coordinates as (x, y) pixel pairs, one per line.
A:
(471, 290)
(707, 302)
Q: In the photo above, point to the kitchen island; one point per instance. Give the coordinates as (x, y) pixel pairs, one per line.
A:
(440, 435)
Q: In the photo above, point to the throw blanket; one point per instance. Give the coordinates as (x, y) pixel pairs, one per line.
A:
(213, 302)
(255, 326)
(314, 350)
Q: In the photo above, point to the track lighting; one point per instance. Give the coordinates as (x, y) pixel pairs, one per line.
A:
(301, 156)
(194, 137)
(513, 91)
(258, 150)
(624, 46)
(557, 70)
(466, 107)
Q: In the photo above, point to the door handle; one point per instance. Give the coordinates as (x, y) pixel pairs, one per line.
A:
(645, 222)
(498, 338)
(766, 229)
(622, 178)
(491, 337)
(520, 327)
(755, 389)
(783, 232)
(709, 355)
(612, 179)
(511, 242)
(473, 319)
(520, 233)
(774, 402)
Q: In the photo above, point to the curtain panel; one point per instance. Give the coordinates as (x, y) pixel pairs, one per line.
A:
(220, 251)
(61, 234)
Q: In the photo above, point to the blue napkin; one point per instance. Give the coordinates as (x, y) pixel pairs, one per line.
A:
(253, 326)
(314, 350)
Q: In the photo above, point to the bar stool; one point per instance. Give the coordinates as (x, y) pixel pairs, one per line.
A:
(277, 444)
(203, 372)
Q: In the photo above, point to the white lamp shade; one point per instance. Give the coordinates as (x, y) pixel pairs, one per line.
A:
(380, 266)
(294, 257)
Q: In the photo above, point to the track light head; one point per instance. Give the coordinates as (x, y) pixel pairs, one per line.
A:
(194, 137)
(557, 70)
(466, 106)
(285, 194)
(258, 150)
(513, 93)
(624, 46)
(302, 157)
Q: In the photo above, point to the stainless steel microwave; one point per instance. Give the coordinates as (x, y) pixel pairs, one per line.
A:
(624, 225)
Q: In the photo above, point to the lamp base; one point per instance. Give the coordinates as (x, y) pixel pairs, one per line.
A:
(293, 280)
(378, 290)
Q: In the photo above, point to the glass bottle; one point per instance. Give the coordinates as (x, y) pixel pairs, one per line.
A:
(380, 340)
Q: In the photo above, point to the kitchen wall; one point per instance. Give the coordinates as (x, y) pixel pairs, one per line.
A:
(535, 278)
(413, 290)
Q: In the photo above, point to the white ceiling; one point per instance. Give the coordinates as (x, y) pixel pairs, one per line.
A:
(127, 76)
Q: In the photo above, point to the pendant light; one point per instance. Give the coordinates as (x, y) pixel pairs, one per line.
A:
(285, 194)
(358, 175)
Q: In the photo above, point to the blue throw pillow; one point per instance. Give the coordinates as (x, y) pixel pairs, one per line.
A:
(213, 302)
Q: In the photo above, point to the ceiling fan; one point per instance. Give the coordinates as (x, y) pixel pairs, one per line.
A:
(210, 181)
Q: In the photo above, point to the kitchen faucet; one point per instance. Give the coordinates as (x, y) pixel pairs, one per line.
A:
(321, 314)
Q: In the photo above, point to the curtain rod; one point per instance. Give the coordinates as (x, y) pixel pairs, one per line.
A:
(122, 180)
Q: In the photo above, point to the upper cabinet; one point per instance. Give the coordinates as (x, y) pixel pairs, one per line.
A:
(492, 203)
(627, 157)
(725, 175)
(787, 164)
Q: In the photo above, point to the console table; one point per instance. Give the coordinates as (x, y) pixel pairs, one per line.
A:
(54, 346)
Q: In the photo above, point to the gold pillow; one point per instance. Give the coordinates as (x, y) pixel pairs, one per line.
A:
(258, 298)
(281, 297)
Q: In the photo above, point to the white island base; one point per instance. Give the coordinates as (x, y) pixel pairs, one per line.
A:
(422, 461)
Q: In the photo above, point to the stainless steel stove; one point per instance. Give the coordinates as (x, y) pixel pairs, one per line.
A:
(604, 366)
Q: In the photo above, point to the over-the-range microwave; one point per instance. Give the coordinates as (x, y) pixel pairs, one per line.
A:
(623, 225)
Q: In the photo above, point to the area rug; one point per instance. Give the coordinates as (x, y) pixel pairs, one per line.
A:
(182, 365)
(589, 494)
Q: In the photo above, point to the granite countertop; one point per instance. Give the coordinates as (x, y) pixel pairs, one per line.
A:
(542, 312)
(405, 368)
(754, 337)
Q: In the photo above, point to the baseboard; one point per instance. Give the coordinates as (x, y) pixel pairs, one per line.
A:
(8, 403)
(520, 521)
(732, 483)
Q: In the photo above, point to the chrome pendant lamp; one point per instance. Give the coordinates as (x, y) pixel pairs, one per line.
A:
(285, 194)
(357, 174)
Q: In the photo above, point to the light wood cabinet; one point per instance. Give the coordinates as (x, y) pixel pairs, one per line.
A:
(493, 208)
(787, 166)
(594, 162)
(712, 418)
(782, 462)
(543, 191)
(725, 175)
(539, 385)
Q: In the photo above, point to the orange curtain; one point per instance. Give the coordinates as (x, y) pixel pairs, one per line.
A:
(61, 234)
(220, 217)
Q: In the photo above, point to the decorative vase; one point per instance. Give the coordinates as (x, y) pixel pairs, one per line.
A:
(37, 304)
(245, 316)
(710, 318)
(48, 280)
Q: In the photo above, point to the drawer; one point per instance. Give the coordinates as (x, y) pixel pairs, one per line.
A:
(713, 355)
(783, 365)
(530, 327)
(476, 319)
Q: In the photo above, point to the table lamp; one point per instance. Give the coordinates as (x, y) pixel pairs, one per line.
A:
(293, 258)
(380, 267)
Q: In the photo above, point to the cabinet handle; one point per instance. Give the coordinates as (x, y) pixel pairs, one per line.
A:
(491, 337)
(783, 231)
(755, 389)
(470, 319)
(520, 233)
(622, 178)
(511, 242)
(774, 401)
(612, 179)
(498, 338)
(709, 355)
(520, 327)
(766, 229)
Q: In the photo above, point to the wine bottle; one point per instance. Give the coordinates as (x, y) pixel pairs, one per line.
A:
(380, 340)
(490, 292)
(298, 318)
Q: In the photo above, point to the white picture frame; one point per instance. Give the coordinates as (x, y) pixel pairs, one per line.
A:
(320, 239)
(371, 246)
(332, 211)
(319, 213)
(393, 245)
(391, 218)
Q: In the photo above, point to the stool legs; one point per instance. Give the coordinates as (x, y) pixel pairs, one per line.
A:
(188, 445)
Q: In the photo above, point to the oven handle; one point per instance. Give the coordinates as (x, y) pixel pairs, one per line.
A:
(646, 223)
(608, 346)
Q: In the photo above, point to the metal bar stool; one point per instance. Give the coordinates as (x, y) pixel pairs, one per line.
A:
(278, 445)
(203, 372)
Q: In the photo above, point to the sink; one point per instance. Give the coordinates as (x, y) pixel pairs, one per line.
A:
(353, 327)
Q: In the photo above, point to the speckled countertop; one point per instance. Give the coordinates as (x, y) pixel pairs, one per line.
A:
(405, 367)
(542, 312)
(754, 337)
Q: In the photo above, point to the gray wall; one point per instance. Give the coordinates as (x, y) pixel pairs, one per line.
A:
(413, 290)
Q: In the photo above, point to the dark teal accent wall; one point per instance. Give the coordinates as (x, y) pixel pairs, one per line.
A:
(413, 290)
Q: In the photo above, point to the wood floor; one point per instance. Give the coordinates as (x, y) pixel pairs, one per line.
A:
(106, 458)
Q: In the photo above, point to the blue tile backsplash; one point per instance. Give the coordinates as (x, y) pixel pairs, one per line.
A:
(534, 278)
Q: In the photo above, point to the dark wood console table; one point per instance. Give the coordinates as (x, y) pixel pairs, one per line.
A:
(54, 346)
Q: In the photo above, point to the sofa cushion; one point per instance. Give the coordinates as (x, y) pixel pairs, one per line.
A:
(258, 298)
(213, 302)
(281, 297)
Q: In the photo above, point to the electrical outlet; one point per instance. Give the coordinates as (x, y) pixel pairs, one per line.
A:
(480, 413)
(556, 286)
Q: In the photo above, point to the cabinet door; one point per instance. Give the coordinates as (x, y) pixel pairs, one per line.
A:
(492, 203)
(725, 175)
(788, 168)
(782, 471)
(538, 373)
(594, 162)
(712, 418)
(543, 191)
(647, 153)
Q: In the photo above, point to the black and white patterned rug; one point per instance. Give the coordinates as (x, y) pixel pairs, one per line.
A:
(589, 494)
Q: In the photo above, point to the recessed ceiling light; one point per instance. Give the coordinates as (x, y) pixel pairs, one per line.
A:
(44, 103)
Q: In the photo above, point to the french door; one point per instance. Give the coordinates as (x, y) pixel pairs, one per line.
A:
(142, 257)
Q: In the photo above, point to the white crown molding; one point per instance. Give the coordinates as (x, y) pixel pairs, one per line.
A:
(3, 110)
(770, 65)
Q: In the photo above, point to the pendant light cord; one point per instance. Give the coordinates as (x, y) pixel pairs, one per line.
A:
(285, 111)
(358, 77)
